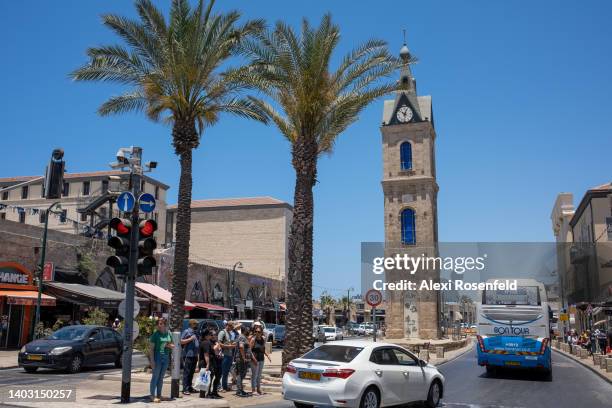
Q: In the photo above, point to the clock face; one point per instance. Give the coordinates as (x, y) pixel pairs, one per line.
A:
(404, 114)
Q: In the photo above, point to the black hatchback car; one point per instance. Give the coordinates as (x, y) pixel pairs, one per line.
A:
(73, 347)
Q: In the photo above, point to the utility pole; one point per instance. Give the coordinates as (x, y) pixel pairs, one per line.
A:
(130, 278)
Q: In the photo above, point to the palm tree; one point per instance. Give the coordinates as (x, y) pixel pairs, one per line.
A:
(317, 105)
(173, 70)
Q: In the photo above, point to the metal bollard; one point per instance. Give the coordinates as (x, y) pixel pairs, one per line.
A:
(176, 365)
(609, 365)
(424, 355)
(439, 352)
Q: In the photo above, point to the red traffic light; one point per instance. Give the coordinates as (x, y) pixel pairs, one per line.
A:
(121, 225)
(147, 228)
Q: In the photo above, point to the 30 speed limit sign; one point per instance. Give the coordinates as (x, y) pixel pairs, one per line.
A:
(373, 297)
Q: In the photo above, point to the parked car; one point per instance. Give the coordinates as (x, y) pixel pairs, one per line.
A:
(71, 348)
(268, 334)
(356, 372)
(360, 330)
(279, 335)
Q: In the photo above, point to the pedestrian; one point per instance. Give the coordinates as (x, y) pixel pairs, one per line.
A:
(191, 346)
(258, 346)
(227, 341)
(244, 357)
(161, 346)
(593, 342)
(116, 324)
(601, 339)
(209, 362)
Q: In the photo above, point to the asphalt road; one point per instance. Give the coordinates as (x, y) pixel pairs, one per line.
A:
(17, 376)
(468, 386)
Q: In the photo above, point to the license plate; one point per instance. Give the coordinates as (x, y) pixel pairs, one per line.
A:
(307, 375)
(35, 358)
(513, 363)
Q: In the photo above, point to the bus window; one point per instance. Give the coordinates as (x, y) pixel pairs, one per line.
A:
(523, 296)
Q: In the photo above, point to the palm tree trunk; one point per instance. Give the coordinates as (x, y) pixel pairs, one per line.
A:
(183, 134)
(299, 287)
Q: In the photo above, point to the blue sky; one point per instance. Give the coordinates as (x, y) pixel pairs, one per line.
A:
(521, 93)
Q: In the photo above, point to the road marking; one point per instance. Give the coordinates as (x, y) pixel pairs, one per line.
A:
(466, 405)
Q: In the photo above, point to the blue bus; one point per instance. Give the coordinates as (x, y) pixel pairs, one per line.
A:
(514, 329)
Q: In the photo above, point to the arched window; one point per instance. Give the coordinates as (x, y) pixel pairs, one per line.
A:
(250, 294)
(197, 295)
(406, 156)
(408, 226)
(217, 292)
(237, 295)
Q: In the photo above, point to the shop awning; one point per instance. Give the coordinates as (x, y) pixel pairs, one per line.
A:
(86, 295)
(159, 294)
(26, 297)
(211, 307)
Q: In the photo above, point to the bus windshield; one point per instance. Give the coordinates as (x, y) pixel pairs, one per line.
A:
(523, 296)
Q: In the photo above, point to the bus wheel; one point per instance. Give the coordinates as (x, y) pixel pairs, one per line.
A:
(491, 370)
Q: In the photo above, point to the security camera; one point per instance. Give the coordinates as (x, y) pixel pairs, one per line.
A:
(151, 164)
(121, 157)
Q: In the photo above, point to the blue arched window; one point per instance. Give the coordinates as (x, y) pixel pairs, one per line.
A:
(406, 155)
(408, 226)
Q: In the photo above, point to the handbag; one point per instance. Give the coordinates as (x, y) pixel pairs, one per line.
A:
(202, 381)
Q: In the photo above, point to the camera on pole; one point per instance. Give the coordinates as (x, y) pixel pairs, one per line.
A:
(121, 243)
(146, 246)
(54, 175)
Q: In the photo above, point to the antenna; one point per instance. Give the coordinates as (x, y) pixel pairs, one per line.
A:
(404, 30)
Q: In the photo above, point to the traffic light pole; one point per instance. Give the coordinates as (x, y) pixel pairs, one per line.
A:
(128, 340)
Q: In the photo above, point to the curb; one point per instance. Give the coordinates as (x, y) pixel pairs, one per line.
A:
(448, 360)
(8, 367)
(593, 369)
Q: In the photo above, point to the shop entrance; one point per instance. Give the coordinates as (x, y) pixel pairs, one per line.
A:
(15, 319)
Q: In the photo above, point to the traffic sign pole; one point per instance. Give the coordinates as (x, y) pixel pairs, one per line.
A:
(130, 280)
(374, 321)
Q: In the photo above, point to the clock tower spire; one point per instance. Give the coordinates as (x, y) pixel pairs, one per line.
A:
(410, 204)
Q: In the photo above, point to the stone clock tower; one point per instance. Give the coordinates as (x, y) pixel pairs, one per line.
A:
(411, 214)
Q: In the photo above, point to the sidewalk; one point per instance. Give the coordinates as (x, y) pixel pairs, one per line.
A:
(8, 359)
(588, 362)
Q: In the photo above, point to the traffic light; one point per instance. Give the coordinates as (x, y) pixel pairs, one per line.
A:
(54, 175)
(146, 246)
(121, 243)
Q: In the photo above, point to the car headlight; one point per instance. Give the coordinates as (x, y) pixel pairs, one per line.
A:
(59, 350)
(23, 350)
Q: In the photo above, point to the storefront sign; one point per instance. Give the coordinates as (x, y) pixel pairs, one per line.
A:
(48, 272)
(8, 276)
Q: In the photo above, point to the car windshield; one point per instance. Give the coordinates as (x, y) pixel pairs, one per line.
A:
(279, 329)
(343, 354)
(69, 333)
(329, 330)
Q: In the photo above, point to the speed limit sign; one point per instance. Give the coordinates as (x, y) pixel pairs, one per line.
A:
(373, 297)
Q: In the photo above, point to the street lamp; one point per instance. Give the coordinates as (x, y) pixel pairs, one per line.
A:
(42, 265)
(239, 266)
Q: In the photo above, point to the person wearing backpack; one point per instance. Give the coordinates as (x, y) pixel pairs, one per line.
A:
(226, 340)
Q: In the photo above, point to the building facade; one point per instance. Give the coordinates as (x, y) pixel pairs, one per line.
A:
(584, 257)
(253, 232)
(86, 202)
(410, 203)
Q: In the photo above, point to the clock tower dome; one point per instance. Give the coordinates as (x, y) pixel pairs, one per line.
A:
(410, 207)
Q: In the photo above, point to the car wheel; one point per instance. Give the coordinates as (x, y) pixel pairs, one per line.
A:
(75, 365)
(370, 398)
(119, 361)
(30, 369)
(300, 405)
(434, 395)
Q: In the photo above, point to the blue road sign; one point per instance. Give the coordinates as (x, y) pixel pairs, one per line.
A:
(126, 201)
(146, 202)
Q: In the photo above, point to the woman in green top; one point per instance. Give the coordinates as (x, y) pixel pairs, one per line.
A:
(161, 346)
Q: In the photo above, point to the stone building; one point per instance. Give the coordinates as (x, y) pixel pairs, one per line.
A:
(85, 203)
(410, 203)
(253, 232)
(584, 256)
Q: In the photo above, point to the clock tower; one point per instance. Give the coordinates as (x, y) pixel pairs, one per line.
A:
(411, 212)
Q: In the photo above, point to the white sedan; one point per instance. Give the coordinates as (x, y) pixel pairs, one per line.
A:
(361, 374)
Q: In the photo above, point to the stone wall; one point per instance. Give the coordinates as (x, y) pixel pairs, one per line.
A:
(22, 243)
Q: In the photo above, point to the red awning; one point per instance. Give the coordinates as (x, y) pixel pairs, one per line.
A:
(26, 297)
(210, 306)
